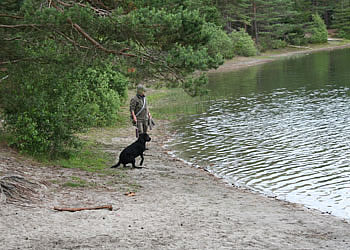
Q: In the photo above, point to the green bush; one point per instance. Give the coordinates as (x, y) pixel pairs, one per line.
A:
(278, 44)
(296, 36)
(243, 44)
(341, 21)
(106, 89)
(318, 30)
(345, 33)
(44, 107)
(267, 43)
(219, 41)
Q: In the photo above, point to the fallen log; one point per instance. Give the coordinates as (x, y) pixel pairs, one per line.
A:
(299, 47)
(109, 207)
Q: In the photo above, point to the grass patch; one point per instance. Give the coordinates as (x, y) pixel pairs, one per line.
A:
(77, 182)
(169, 104)
(90, 158)
(133, 187)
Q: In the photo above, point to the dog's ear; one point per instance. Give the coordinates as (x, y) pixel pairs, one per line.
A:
(142, 137)
(146, 137)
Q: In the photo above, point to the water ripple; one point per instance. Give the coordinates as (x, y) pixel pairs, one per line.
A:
(293, 144)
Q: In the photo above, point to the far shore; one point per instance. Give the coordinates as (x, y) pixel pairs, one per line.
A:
(243, 62)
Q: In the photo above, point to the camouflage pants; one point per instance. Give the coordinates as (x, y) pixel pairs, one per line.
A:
(141, 126)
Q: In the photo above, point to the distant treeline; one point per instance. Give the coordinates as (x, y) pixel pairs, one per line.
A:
(275, 23)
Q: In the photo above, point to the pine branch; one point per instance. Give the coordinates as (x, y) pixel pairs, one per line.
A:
(10, 16)
(15, 61)
(101, 12)
(7, 26)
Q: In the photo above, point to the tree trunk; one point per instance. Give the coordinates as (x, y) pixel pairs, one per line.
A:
(255, 23)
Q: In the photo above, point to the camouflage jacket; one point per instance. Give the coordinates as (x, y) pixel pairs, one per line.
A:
(136, 104)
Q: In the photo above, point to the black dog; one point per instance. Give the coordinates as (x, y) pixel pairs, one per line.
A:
(134, 150)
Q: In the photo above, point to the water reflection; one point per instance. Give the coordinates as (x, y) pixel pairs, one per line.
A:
(281, 129)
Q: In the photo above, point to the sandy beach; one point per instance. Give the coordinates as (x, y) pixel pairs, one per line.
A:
(172, 205)
(243, 62)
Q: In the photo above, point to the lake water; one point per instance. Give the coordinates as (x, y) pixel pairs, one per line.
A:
(280, 128)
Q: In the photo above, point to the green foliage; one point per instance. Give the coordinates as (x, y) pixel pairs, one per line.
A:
(318, 30)
(296, 36)
(342, 20)
(243, 44)
(187, 56)
(219, 41)
(267, 43)
(60, 87)
(44, 107)
(43, 112)
(106, 89)
(90, 158)
(76, 182)
(278, 44)
(275, 23)
(196, 86)
(171, 103)
(52, 53)
(206, 8)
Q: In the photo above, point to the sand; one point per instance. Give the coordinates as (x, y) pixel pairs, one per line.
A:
(243, 62)
(174, 206)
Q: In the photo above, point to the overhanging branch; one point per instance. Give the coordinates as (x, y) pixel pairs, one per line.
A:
(94, 42)
(10, 16)
(14, 26)
(15, 61)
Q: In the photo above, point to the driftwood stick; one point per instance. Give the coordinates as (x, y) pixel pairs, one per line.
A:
(109, 207)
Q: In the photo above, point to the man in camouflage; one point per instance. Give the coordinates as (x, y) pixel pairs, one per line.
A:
(139, 112)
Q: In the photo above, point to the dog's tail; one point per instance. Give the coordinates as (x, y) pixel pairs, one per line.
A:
(116, 165)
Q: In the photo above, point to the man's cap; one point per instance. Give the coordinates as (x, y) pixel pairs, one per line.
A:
(140, 88)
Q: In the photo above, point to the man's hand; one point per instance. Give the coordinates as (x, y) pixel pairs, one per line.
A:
(134, 116)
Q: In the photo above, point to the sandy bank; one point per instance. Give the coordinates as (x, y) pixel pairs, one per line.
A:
(242, 62)
(176, 206)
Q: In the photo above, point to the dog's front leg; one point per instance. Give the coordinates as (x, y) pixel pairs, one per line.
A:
(141, 162)
(133, 163)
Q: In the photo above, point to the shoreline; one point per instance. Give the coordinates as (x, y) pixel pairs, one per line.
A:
(172, 206)
(244, 62)
(169, 204)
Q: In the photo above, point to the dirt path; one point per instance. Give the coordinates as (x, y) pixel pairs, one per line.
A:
(175, 206)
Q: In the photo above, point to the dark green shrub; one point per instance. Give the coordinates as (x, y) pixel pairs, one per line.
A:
(219, 41)
(318, 30)
(341, 21)
(106, 89)
(44, 107)
(296, 37)
(278, 44)
(344, 33)
(267, 43)
(243, 44)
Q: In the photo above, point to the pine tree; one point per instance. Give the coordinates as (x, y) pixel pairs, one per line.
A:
(236, 14)
(68, 61)
(266, 21)
(272, 20)
(342, 19)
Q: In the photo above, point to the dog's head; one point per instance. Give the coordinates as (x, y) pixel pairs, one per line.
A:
(144, 137)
